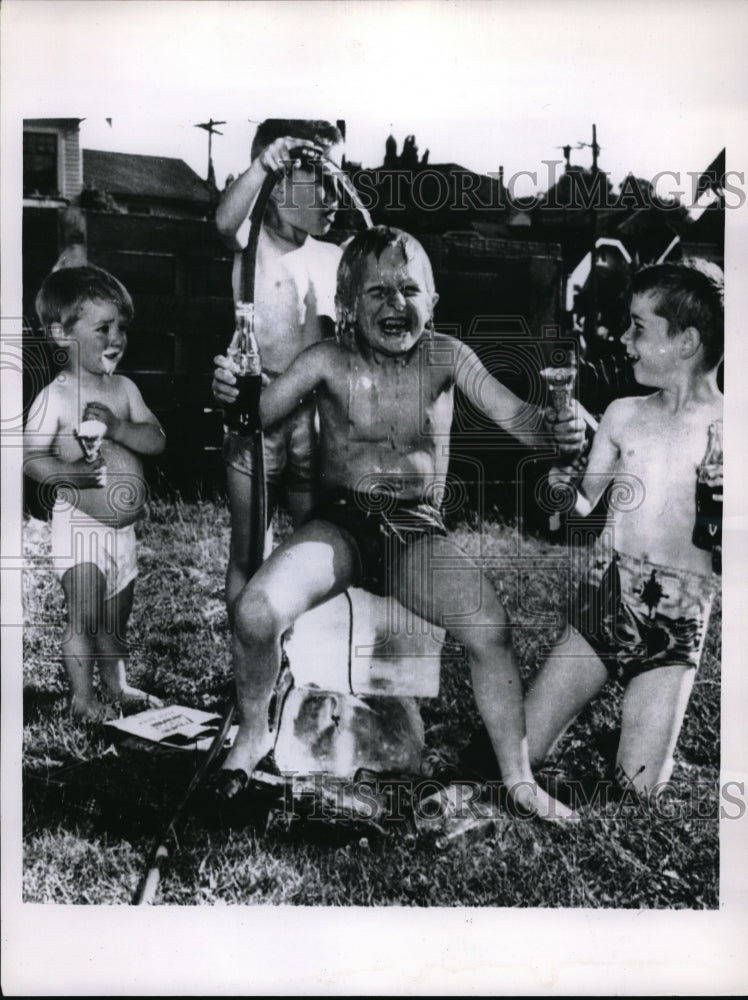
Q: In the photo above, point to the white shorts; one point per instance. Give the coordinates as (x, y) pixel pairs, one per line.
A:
(77, 538)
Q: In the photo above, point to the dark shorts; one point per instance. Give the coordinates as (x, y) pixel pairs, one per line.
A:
(379, 527)
(638, 615)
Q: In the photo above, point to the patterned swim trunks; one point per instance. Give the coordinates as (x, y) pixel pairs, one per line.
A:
(379, 526)
(638, 615)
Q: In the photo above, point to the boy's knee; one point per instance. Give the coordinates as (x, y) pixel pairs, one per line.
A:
(84, 587)
(484, 638)
(255, 618)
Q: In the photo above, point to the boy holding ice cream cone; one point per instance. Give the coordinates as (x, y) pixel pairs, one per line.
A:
(83, 440)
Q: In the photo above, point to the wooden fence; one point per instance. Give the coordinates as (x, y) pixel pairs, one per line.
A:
(502, 297)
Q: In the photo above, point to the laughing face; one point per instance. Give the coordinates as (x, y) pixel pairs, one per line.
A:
(396, 300)
(101, 335)
(654, 353)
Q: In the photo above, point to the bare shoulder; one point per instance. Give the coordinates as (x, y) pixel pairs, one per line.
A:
(329, 250)
(318, 361)
(53, 409)
(443, 350)
(122, 384)
(444, 341)
(324, 352)
(58, 397)
(621, 412)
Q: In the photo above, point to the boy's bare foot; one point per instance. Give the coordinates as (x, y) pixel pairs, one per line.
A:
(237, 769)
(527, 800)
(88, 711)
(226, 784)
(133, 698)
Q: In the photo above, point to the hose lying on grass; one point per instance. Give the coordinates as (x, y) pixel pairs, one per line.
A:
(160, 851)
(165, 843)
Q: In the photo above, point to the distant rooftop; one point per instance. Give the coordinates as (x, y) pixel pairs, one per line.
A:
(135, 175)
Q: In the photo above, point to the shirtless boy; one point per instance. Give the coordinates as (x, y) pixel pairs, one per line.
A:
(87, 312)
(294, 307)
(641, 614)
(385, 392)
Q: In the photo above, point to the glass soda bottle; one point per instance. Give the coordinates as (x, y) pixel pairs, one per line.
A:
(243, 415)
(707, 531)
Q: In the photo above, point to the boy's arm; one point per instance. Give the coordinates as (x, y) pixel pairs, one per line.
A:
(602, 461)
(522, 420)
(237, 201)
(41, 461)
(281, 397)
(141, 432)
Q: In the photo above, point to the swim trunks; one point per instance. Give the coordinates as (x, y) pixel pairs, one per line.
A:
(379, 527)
(638, 615)
(77, 538)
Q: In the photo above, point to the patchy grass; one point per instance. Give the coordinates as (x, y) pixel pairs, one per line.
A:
(87, 837)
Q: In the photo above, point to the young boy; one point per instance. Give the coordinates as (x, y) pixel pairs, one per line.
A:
(87, 312)
(385, 391)
(641, 614)
(294, 307)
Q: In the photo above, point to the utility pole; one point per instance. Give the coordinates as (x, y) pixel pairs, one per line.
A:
(592, 305)
(210, 128)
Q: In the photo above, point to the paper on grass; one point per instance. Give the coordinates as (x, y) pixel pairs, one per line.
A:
(175, 727)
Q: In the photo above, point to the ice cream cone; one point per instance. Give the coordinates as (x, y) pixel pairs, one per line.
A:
(89, 436)
(560, 385)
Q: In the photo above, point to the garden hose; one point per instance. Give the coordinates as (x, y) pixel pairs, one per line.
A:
(165, 843)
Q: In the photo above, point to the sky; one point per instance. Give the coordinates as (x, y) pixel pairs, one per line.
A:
(481, 84)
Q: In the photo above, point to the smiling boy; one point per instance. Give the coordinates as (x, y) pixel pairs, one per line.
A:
(640, 616)
(86, 311)
(385, 393)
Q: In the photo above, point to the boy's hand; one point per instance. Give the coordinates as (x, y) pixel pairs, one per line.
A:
(98, 411)
(83, 475)
(567, 427)
(276, 158)
(224, 381)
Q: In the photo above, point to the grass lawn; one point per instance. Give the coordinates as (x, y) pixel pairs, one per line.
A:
(86, 839)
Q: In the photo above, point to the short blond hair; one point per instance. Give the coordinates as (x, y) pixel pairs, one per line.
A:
(64, 293)
(351, 272)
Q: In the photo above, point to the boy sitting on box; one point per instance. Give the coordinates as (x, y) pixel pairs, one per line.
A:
(385, 390)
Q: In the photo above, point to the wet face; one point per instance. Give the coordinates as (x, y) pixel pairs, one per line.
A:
(396, 300)
(307, 198)
(654, 354)
(101, 335)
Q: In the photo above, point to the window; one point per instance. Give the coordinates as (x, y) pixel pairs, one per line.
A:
(40, 164)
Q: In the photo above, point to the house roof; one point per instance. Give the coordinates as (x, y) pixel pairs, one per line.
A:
(133, 174)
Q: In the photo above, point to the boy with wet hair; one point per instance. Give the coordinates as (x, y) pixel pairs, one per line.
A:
(641, 613)
(385, 390)
(294, 307)
(98, 495)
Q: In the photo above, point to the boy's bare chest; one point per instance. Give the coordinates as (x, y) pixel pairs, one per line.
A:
(78, 395)
(664, 451)
(397, 403)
